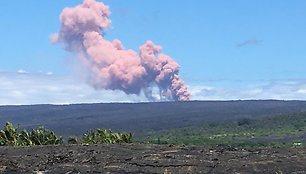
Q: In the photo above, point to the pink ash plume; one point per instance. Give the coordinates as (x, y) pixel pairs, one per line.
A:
(111, 65)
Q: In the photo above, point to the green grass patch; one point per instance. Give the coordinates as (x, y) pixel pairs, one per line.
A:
(240, 133)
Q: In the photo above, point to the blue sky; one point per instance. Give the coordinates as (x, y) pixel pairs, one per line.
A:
(220, 44)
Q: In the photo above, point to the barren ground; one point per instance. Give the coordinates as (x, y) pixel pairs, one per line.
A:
(147, 158)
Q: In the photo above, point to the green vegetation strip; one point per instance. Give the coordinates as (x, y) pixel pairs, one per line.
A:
(245, 132)
(274, 131)
(10, 136)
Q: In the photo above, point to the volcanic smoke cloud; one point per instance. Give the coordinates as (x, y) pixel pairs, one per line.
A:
(112, 66)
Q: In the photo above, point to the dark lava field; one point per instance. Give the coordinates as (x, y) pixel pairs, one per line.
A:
(146, 158)
(141, 119)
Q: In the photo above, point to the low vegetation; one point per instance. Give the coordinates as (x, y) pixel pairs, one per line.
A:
(274, 131)
(102, 136)
(10, 136)
(279, 130)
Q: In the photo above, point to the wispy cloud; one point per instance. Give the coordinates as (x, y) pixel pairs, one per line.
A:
(21, 71)
(249, 42)
(123, 11)
(48, 88)
(275, 89)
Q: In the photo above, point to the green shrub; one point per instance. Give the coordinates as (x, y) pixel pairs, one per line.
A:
(72, 140)
(103, 136)
(43, 136)
(10, 136)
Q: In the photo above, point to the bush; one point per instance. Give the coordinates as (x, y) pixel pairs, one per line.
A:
(43, 136)
(10, 136)
(103, 136)
(72, 140)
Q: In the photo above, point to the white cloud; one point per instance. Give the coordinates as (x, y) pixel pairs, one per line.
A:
(46, 88)
(301, 91)
(41, 88)
(21, 71)
(275, 89)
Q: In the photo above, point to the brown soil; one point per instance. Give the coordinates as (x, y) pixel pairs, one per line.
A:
(145, 158)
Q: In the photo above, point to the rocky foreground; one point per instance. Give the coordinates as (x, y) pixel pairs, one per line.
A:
(147, 158)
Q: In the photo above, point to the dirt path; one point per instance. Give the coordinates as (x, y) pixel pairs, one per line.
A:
(142, 158)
